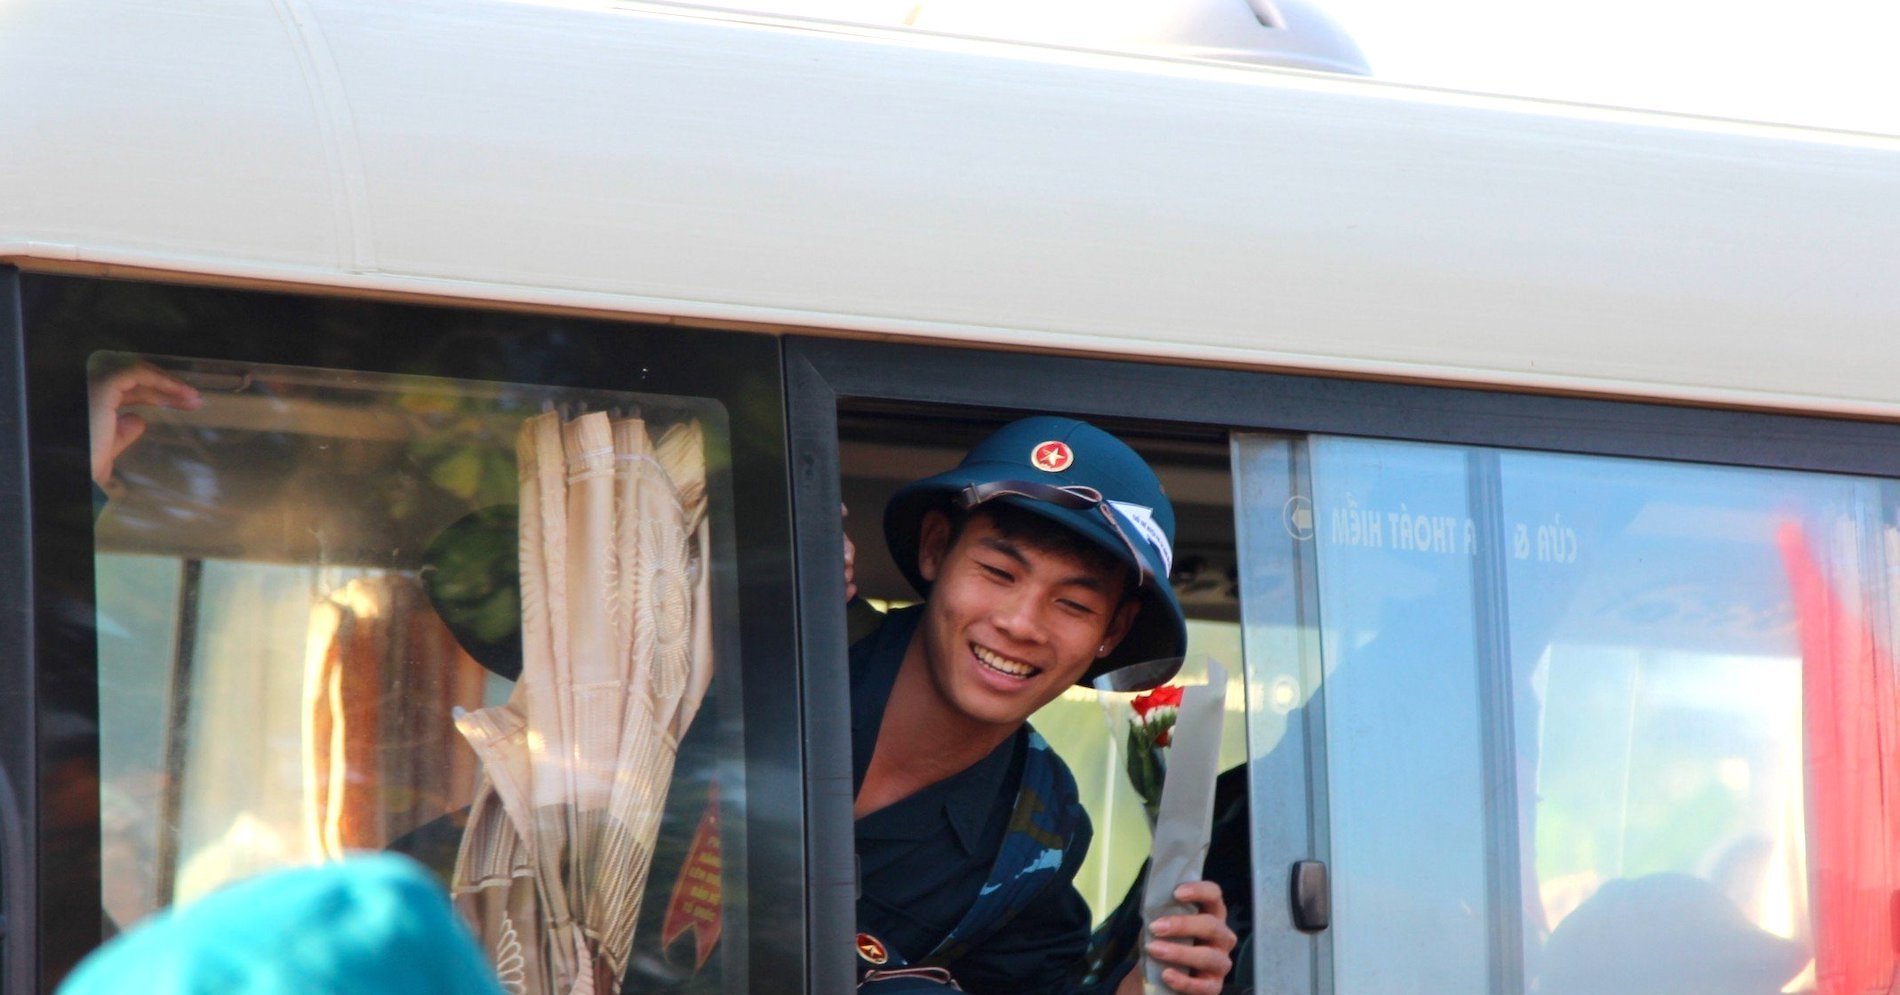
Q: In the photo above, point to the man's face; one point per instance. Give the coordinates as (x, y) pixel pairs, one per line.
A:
(1009, 625)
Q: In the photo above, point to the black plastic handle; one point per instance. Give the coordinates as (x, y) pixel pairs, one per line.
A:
(1312, 896)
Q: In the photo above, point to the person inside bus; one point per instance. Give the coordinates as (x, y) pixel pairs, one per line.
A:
(1037, 557)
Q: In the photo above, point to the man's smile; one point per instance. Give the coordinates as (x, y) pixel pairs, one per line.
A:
(1004, 665)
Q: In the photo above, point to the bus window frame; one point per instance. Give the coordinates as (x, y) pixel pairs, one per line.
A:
(824, 373)
(1140, 389)
(46, 582)
(19, 884)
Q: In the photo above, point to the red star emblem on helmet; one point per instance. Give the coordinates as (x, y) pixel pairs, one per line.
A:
(872, 949)
(1052, 456)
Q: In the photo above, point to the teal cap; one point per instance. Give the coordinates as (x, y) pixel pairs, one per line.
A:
(366, 926)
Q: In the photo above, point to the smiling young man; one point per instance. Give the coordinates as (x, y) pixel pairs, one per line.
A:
(1043, 558)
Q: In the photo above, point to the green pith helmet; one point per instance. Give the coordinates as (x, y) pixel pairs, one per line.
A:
(1085, 480)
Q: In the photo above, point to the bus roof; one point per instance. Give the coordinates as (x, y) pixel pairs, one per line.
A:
(649, 160)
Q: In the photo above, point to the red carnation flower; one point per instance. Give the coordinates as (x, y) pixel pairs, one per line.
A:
(1167, 695)
(1150, 732)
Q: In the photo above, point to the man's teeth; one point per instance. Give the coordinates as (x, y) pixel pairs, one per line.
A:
(1002, 663)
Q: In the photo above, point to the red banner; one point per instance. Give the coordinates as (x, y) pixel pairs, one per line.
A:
(1849, 715)
(697, 896)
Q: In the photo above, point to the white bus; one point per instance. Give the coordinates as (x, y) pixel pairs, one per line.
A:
(1536, 463)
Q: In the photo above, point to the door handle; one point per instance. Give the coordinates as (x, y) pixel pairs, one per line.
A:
(1311, 894)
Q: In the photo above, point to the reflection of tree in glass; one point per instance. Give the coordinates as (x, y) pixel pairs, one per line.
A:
(473, 575)
(465, 449)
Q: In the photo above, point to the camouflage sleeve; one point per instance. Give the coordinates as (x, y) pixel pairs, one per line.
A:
(1040, 951)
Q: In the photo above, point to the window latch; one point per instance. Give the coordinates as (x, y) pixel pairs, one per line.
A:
(1312, 896)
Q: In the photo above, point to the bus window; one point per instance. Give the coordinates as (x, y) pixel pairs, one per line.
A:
(881, 451)
(1659, 725)
(1403, 745)
(302, 584)
(310, 606)
(1592, 724)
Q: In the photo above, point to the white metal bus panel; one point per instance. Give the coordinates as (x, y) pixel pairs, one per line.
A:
(643, 160)
(182, 133)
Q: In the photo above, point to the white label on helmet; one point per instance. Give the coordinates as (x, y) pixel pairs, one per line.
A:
(1143, 519)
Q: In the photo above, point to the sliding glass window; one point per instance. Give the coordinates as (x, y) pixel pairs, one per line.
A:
(1579, 724)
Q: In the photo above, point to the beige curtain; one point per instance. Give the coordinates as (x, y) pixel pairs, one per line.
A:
(616, 659)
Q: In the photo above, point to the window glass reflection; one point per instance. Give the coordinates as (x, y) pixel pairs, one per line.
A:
(1404, 750)
(1659, 719)
(305, 582)
(1633, 719)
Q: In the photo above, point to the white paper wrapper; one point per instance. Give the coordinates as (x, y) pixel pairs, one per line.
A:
(1186, 815)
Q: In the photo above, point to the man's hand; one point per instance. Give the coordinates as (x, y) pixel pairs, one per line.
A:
(850, 560)
(1196, 949)
(114, 430)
